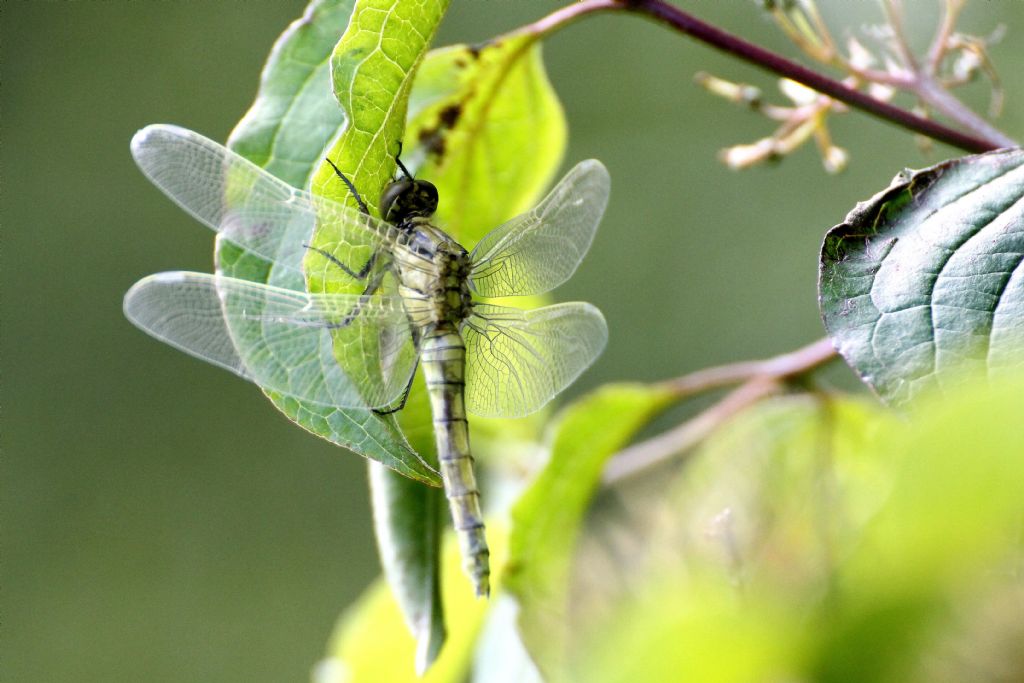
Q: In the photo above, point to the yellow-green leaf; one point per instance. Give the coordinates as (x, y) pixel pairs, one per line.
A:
(487, 128)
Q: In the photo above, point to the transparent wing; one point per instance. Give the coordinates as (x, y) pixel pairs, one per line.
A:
(332, 349)
(535, 252)
(516, 361)
(243, 202)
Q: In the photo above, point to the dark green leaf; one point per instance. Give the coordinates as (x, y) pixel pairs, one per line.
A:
(408, 517)
(294, 118)
(925, 277)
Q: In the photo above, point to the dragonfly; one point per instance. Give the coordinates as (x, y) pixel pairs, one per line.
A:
(391, 294)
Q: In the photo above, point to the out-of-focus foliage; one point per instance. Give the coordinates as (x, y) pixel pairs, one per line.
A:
(819, 539)
(371, 642)
(546, 519)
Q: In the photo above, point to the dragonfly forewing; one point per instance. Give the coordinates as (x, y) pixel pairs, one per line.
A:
(540, 249)
(248, 205)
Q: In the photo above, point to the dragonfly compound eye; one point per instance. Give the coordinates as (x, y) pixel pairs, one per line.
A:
(404, 199)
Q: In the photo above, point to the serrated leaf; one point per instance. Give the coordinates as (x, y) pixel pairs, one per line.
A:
(924, 280)
(486, 127)
(370, 646)
(546, 519)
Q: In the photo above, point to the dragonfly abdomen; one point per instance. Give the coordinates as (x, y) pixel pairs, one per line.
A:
(443, 356)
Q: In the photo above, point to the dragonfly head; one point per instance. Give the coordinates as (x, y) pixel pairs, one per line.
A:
(408, 198)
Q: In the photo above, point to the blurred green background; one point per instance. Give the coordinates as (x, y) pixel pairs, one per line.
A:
(162, 522)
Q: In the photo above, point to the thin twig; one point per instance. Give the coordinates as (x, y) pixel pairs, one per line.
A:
(894, 15)
(736, 46)
(786, 365)
(760, 379)
(770, 61)
(639, 457)
(950, 13)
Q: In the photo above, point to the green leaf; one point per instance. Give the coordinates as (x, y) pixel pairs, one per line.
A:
(408, 519)
(372, 69)
(294, 118)
(546, 519)
(773, 493)
(925, 276)
(472, 114)
(290, 124)
(728, 554)
(702, 633)
(370, 644)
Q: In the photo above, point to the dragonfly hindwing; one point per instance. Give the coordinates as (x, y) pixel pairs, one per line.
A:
(341, 350)
(516, 360)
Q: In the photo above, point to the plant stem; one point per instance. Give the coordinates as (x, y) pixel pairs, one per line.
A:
(938, 98)
(923, 79)
(659, 449)
(950, 12)
(894, 15)
(985, 137)
(981, 141)
(782, 366)
(760, 379)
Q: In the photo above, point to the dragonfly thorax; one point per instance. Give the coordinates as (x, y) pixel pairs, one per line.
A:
(433, 271)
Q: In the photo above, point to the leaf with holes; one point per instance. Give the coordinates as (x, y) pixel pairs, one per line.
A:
(924, 281)
(473, 112)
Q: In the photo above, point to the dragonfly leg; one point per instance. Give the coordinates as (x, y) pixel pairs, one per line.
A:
(351, 187)
(371, 287)
(405, 394)
(356, 274)
(398, 161)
